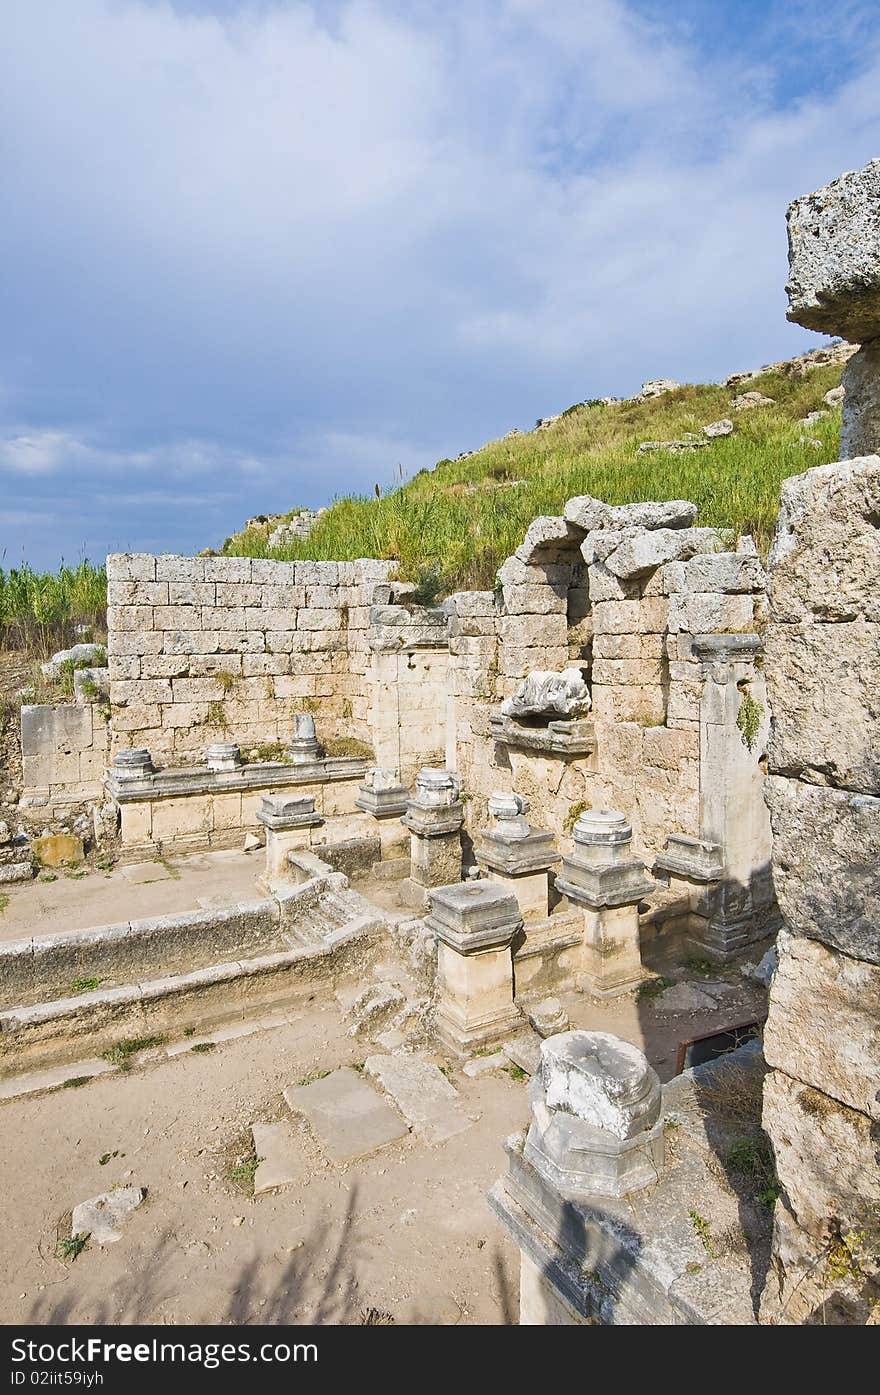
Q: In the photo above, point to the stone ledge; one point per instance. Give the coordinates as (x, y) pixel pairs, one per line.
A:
(193, 780)
(559, 738)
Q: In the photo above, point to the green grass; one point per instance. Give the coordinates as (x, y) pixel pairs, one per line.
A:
(72, 1247)
(753, 1159)
(76, 1081)
(39, 611)
(85, 985)
(652, 987)
(203, 1046)
(452, 526)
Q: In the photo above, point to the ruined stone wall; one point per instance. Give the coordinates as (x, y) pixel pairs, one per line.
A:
(822, 1041)
(621, 594)
(208, 648)
(63, 753)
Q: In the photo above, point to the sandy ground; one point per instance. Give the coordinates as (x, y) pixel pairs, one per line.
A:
(406, 1231)
(128, 893)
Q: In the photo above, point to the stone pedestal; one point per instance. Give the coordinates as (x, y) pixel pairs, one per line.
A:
(692, 869)
(131, 765)
(518, 856)
(475, 923)
(303, 746)
(386, 799)
(288, 821)
(223, 755)
(434, 817)
(603, 879)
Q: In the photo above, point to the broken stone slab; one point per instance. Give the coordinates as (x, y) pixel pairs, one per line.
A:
(348, 1117)
(484, 1065)
(101, 1217)
(425, 1098)
(544, 693)
(763, 971)
(834, 256)
(78, 653)
(16, 872)
(373, 1007)
(649, 550)
(591, 514)
(280, 1162)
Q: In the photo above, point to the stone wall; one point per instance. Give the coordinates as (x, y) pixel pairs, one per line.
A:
(621, 593)
(202, 648)
(64, 752)
(822, 1041)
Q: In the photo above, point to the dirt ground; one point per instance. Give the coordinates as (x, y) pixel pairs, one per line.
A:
(405, 1232)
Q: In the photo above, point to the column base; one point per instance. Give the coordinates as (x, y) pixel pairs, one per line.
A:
(466, 1039)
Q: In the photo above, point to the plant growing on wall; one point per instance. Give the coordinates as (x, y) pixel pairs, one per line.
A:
(748, 719)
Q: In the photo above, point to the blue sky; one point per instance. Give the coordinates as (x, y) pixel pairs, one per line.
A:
(256, 254)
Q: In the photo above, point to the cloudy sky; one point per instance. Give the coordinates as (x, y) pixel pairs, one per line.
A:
(255, 253)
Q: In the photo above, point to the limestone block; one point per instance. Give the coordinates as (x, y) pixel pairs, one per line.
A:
(143, 691)
(834, 257)
(173, 818)
(860, 424)
(605, 586)
(616, 646)
(536, 630)
(126, 669)
(727, 572)
(281, 642)
(824, 686)
(217, 617)
(825, 857)
(178, 617)
(122, 645)
(131, 566)
(184, 714)
(825, 1155)
(514, 572)
(136, 592)
(188, 642)
(709, 613)
(649, 550)
(172, 568)
(547, 536)
(239, 642)
(266, 571)
(227, 569)
(828, 513)
(470, 603)
(617, 617)
(130, 618)
(823, 1028)
(534, 600)
(589, 514)
(235, 595)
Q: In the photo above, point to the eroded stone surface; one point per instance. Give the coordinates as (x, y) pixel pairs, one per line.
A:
(834, 256)
(102, 1217)
(425, 1098)
(347, 1115)
(860, 422)
(280, 1161)
(602, 1080)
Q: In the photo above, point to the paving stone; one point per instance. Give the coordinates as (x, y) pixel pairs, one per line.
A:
(347, 1115)
(280, 1160)
(424, 1096)
(484, 1065)
(686, 997)
(101, 1217)
(141, 873)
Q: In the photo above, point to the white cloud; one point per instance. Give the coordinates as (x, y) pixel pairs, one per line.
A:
(285, 246)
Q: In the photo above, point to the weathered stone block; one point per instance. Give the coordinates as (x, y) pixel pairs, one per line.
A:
(727, 572)
(826, 853)
(834, 256)
(860, 424)
(823, 1028)
(131, 566)
(824, 687)
(647, 551)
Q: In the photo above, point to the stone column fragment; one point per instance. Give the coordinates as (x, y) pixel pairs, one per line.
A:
(474, 923)
(303, 746)
(607, 882)
(517, 855)
(434, 817)
(383, 796)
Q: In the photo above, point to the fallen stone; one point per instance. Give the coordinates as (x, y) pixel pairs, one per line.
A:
(763, 971)
(424, 1096)
(101, 1217)
(484, 1065)
(374, 1006)
(252, 843)
(16, 872)
(78, 653)
(279, 1161)
(685, 997)
(811, 417)
(5, 833)
(834, 257)
(548, 1017)
(674, 447)
(834, 396)
(545, 693)
(58, 850)
(724, 427)
(545, 536)
(655, 387)
(747, 400)
(524, 1051)
(347, 1115)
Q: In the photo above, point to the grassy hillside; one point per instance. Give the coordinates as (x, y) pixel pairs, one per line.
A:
(452, 526)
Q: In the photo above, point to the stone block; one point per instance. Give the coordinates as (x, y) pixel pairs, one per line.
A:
(588, 513)
(823, 1027)
(348, 1117)
(834, 257)
(709, 613)
(830, 513)
(172, 568)
(824, 688)
(860, 424)
(646, 551)
(237, 569)
(429, 1103)
(131, 566)
(727, 572)
(826, 852)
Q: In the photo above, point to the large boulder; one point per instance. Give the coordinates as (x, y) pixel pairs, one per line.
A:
(834, 256)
